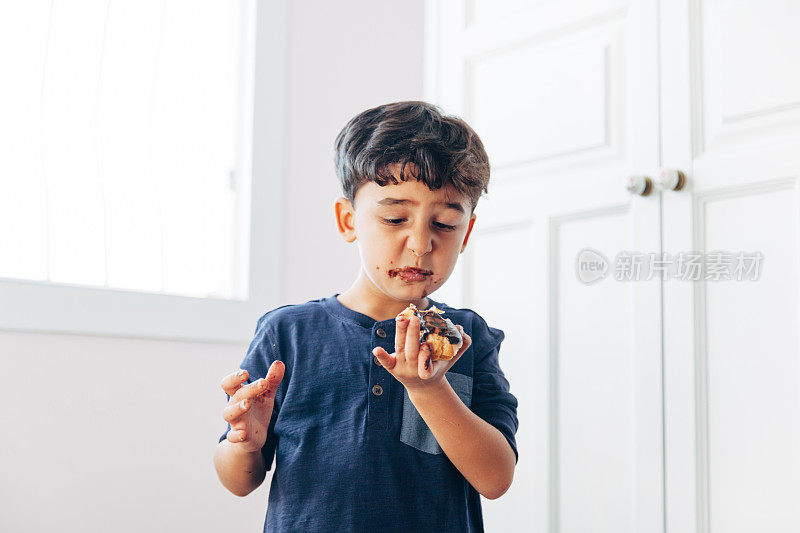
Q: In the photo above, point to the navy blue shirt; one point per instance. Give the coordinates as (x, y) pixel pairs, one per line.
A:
(352, 453)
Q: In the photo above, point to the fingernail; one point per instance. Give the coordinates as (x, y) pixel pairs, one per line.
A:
(243, 404)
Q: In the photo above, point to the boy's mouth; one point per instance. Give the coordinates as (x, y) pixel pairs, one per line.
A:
(410, 273)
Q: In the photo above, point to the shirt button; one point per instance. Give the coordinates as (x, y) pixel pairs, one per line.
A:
(377, 390)
(375, 358)
(381, 333)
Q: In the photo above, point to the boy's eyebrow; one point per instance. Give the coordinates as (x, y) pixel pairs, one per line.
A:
(400, 201)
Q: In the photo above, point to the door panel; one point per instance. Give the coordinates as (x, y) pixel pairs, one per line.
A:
(751, 389)
(593, 361)
(567, 114)
(732, 372)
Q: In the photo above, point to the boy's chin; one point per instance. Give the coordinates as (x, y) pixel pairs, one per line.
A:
(410, 291)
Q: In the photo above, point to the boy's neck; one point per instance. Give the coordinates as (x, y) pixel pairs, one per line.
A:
(373, 303)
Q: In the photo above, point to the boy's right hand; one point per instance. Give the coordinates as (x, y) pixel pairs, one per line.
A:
(250, 407)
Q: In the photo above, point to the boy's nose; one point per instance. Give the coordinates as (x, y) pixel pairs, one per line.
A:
(419, 249)
(419, 242)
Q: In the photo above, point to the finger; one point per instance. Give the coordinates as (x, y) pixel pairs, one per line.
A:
(233, 382)
(467, 341)
(387, 360)
(234, 410)
(266, 388)
(274, 377)
(411, 351)
(237, 436)
(250, 391)
(401, 326)
(425, 364)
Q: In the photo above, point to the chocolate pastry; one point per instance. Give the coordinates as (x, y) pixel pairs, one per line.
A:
(440, 333)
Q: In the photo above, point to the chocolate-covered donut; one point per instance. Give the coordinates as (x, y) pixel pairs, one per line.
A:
(441, 335)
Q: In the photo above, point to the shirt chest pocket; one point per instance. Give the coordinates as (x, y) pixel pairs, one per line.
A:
(413, 429)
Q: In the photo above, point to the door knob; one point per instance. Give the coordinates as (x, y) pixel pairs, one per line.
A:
(670, 179)
(641, 185)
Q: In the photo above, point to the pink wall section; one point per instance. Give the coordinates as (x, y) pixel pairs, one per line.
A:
(344, 57)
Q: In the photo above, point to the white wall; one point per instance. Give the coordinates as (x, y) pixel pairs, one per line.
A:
(115, 434)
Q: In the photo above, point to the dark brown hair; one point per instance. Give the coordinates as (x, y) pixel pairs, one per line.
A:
(444, 148)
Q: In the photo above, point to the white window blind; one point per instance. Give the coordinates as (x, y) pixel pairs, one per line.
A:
(124, 138)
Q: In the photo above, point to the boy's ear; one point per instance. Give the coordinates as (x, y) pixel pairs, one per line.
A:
(469, 230)
(345, 219)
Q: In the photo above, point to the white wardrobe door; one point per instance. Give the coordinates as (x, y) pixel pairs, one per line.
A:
(564, 96)
(731, 115)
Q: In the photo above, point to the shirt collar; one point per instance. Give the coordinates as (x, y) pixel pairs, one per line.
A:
(335, 307)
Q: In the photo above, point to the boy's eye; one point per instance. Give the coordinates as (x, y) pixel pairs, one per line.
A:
(445, 226)
(396, 221)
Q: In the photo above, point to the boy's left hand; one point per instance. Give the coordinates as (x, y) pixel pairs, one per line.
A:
(411, 362)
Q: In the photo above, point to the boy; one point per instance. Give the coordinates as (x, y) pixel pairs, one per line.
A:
(380, 441)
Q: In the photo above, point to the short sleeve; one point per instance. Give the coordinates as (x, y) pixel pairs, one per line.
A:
(491, 392)
(257, 361)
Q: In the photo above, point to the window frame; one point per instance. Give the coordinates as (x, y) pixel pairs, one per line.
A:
(49, 307)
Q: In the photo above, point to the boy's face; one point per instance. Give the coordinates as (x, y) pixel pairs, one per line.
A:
(395, 238)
